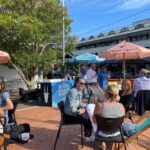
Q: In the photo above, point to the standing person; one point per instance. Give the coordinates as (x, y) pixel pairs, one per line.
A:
(83, 72)
(56, 71)
(5, 101)
(126, 96)
(103, 77)
(75, 110)
(142, 82)
(91, 75)
(50, 74)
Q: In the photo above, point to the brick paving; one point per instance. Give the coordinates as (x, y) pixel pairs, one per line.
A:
(44, 122)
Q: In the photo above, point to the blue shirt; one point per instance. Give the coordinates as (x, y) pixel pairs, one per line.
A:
(3, 98)
(73, 101)
(103, 79)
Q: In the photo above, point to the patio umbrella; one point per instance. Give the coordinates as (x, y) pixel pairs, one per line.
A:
(125, 50)
(4, 57)
(87, 58)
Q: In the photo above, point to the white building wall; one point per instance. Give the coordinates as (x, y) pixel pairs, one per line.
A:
(11, 77)
(144, 43)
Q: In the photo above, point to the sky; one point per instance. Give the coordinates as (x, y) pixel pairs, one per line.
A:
(91, 17)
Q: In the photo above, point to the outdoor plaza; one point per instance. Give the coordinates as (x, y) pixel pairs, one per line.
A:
(44, 122)
(74, 75)
(44, 117)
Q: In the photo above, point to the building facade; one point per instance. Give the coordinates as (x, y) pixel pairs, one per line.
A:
(138, 33)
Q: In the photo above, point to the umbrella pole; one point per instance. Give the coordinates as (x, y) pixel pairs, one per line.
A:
(124, 66)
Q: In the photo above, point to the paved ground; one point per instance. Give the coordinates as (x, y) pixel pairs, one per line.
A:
(44, 123)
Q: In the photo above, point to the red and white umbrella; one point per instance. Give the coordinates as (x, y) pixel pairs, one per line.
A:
(125, 50)
(4, 57)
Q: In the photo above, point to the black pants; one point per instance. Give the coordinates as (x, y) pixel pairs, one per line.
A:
(81, 118)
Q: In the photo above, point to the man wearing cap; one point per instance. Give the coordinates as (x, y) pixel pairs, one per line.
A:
(142, 82)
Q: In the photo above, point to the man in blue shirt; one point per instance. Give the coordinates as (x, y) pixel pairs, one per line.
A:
(103, 77)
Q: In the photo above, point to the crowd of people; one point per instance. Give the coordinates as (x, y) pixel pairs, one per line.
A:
(92, 78)
(116, 103)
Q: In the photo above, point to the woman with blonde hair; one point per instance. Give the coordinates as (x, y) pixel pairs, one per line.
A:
(126, 96)
(110, 108)
(5, 101)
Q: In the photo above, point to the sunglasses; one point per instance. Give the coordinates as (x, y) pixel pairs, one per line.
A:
(82, 83)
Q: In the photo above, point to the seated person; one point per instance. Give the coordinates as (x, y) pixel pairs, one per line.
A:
(126, 96)
(142, 82)
(75, 110)
(110, 108)
(5, 101)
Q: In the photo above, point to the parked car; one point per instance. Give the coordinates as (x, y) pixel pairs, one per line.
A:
(91, 37)
(124, 29)
(83, 39)
(111, 32)
(139, 26)
(101, 35)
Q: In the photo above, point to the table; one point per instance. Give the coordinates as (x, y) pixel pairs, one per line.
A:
(54, 90)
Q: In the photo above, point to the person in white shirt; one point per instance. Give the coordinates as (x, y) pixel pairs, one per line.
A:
(142, 82)
(91, 75)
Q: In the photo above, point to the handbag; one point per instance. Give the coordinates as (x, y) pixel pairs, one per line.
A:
(20, 133)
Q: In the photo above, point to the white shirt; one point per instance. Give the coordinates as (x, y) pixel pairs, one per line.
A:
(141, 83)
(91, 76)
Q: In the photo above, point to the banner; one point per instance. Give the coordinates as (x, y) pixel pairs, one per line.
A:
(59, 91)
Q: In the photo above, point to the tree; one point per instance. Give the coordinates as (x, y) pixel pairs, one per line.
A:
(29, 31)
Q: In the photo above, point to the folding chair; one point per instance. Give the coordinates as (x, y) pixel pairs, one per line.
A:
(64, 122)
(3, 130)
(7, 136)
(109, 125)
(11, 115)
(142, 101)
(4, 136)
(12, 121)
(140, 129)
(97, 93)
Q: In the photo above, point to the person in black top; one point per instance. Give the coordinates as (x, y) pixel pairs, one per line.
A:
(126, 95)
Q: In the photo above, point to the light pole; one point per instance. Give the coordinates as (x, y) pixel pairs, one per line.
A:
(63, 32)
(63, 46)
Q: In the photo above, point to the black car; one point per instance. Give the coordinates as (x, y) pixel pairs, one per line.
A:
(111, 32)
(138, 26)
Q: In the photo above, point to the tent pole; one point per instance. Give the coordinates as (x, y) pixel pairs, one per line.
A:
(124, 66)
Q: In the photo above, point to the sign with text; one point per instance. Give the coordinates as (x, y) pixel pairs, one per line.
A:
(59, 91)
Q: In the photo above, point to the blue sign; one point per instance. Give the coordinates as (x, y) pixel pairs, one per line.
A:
(59, 91)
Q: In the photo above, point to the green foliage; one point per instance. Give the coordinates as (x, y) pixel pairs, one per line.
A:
(29, 29)
(31, 63)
